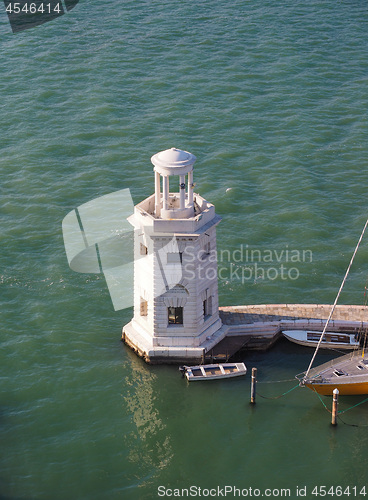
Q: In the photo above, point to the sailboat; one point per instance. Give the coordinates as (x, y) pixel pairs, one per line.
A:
(349, 373)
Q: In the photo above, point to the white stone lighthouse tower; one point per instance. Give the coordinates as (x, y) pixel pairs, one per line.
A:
(176, 315)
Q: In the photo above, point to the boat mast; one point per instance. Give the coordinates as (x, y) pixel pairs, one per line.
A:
(334, 304)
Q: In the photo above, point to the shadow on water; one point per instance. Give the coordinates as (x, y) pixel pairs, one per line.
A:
(285, 354)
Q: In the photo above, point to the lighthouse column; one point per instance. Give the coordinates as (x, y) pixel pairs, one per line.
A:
(190, 188)
(165, 188)
(182, 192)
(157, 194)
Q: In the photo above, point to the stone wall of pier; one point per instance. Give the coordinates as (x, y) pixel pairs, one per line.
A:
(278, 312)
(259, 326)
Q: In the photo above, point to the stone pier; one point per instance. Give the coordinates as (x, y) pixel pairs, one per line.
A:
(260, 326)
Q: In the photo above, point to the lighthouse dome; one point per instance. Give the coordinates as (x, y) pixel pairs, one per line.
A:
(173, 162)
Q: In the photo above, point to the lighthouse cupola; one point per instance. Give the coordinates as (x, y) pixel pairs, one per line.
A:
(174, 163)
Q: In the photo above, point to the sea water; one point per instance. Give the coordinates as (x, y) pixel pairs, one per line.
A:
(272, 99)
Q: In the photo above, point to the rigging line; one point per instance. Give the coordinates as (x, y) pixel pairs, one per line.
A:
(362, 334)
(364, 343)
(275, 381)
(277, 397)
(337, 298)
(354, 406)
(319, 397)
(350, 425)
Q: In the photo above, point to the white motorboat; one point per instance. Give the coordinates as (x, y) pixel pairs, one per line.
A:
(330, 340)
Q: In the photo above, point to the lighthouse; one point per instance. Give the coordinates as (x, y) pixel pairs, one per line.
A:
(176, 318)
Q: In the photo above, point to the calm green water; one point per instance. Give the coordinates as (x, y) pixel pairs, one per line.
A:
(272, 99)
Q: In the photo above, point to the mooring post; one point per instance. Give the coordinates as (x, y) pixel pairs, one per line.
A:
(335, 402)
(253, 386)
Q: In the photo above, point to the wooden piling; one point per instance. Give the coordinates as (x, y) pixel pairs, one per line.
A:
(335, 402)
(253, 386)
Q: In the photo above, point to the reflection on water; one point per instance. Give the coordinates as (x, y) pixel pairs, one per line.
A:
(149, 444)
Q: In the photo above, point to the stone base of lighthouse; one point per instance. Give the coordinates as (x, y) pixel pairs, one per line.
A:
(157, 350)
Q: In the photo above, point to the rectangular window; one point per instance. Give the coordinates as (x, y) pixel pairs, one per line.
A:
(205, 252)
(174, 257)
(175, 315)
(143, 249)
(207, 307)
(144, 307)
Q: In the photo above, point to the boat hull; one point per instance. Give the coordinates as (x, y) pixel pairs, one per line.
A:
(349, 389)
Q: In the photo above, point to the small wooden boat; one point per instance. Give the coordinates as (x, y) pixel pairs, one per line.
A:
(331, 340)
(212, 372)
